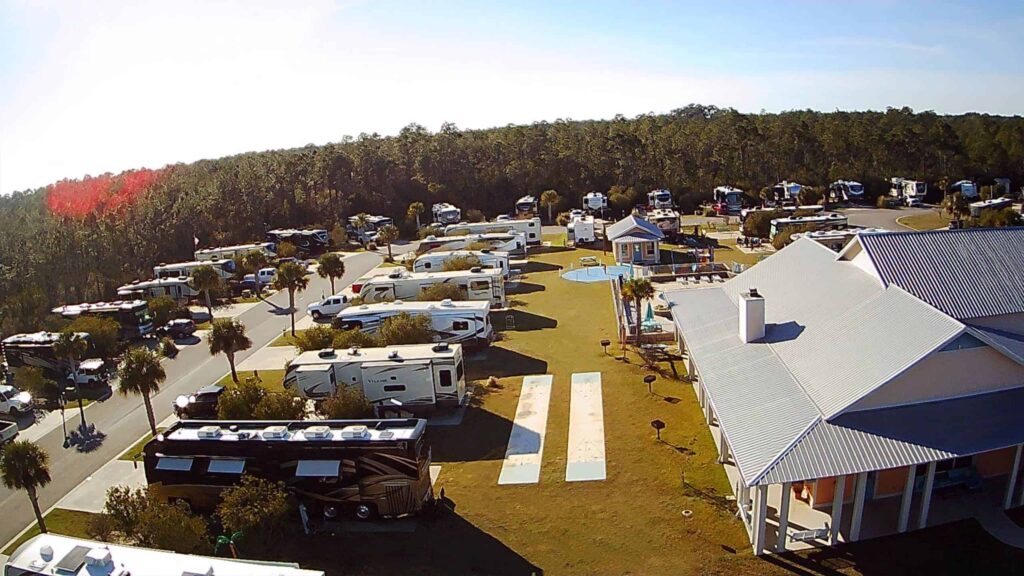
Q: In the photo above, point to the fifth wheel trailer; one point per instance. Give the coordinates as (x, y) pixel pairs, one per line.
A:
(434, 261)
(467, 323)
(512, 242)
(477, 284)
(531, 228)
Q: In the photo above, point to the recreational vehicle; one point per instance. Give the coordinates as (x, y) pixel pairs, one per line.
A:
(786, 192)
(444, 213)
(527, 206)
(992, 204)
(225, 268)
(371, 225)
(477, 284)
(177, 288)
(336, 469)
(413, 378)
(132, 316)
(1002, 188)
(728, 200)
(466, 323)
(846, 190)
(36, 349)
(828, 221)
(966, 188)
(513, 243)
(807, 209)
(434, 261)
(232, 252)
(581, 230)
(595, 202)
(906, 190)
(308, 242)
(659, 199)
(531, 228)
(666, 219)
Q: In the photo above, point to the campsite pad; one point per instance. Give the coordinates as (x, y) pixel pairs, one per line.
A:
(526, 442)
(586, 458)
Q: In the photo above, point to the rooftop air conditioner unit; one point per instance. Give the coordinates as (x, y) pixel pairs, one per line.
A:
(317, 432)
(355, 432)
(393, 355)
(326, 353)
(98, 557)
(441, 347)
(275, 432)
(209, 432)
(447, 302)
(476, 269)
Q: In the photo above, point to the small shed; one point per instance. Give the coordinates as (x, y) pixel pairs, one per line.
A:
(635, 241)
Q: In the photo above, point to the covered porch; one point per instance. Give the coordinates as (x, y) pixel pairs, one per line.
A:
(637, 249)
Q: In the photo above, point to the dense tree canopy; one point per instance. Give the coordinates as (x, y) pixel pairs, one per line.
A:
(78, 240)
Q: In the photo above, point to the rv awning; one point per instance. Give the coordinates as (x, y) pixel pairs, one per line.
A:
(318, 468)
(226, 466)
(175, 464)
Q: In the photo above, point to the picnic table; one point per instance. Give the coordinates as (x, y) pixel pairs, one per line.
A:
(589, 261)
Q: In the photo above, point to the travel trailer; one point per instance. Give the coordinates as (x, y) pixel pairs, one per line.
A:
(36, 349)
(444, 213)
(336, 469)
(177, 288)
(666, 219)
(966, 188)
(846, 190)
(477, 284)
(232, 252)
(660, 199)
(827, 221)
(786, 192)
(527, 206)
(225, 268)
(992, 204)
(531, 228)
(905, 190)
(313, 241)
(595, 202)
(132, 316)
(789, 210)
(513, 243)
(581, 230)
(434, 261)
(466, 323)
(412, 378)
(369, 230)
(728, 200)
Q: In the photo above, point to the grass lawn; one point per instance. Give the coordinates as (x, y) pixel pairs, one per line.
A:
(136, 450)
(58, 521)
(270, 379)
(726, 252)
(73, 403)
(286, 339)
(926, 221)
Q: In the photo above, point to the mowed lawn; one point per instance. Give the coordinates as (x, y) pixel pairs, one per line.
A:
(927, 220)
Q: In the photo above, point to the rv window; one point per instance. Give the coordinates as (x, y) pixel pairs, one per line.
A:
(426, 265)
(446, 378)
(175, 464)
(479, 285)
(381, 290)
(225, 466)
(395, 388)
(458, 370)
(318, 468)
(460, 325)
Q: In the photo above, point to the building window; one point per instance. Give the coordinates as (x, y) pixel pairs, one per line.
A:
(460, 325)
(446, 378)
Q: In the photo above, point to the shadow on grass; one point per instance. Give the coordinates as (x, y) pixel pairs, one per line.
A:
(502, 363)
(522, 321)
(527, 288)
(487, 440)
(549, 249)
(538, 266)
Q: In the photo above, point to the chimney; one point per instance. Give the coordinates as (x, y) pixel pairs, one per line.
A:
(751, 316)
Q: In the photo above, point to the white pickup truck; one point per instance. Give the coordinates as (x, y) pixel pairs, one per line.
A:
(328, 307)
(14, 401)
(8, 432)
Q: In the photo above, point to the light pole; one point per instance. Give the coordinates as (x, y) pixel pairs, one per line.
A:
(649, 379)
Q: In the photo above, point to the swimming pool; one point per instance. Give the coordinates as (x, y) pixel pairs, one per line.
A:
(596, 273)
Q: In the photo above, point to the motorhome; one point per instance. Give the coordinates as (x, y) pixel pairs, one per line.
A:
(434, 261)
(728, 200)
(309, 242)
(132, 316)
(661, 198)
(595, 202)
(410, 378)
(475, 284)
(581, 230)
(336, 469)
(530, 228)
(366, 231)
(513, 243)
(827, 221)
(52, 554)
(225, 268)
(966, 188)
(466, 323)
(445, 213)
(666, 219)
(36, 349)
(847, 191)
(177, 288)
(786, 192)
(232, 252)
(1002, 188)
(527, 206)
(907, 191)
(977, 208)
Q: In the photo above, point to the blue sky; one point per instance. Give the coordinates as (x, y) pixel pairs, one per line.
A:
(105, 85)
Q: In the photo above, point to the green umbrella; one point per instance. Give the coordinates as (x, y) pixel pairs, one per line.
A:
(649, 317)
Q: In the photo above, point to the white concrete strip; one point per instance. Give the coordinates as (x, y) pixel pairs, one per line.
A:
(586, 459)
(435, 472)
(91, 495)
(228, 311)
(526, 442)
(307, 322)
(270, 358)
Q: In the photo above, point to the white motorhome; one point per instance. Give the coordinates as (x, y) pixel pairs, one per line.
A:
(513, 243)
(373, 224)
(581, 230)
(786, 192)
(966, 188)
(531, 228)
(175, 287)
(825, 221)
(847, 190)
(527, 206)
(445, 213)
(231, 252)
(413, 378)
(906, 190)
(661, 198)
(477, 284)
(225, 268)
(466, 323)
(991, 204)
(728, 200)
(595, 202)
(434, 261)
(666, 219)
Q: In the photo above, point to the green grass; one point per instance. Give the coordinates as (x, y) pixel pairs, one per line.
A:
(58, 521)
(286, 339)
(73, 403)
(926, 221)
(270, 379)
(136, 450)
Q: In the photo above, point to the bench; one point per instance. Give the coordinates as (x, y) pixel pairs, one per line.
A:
(808, 535)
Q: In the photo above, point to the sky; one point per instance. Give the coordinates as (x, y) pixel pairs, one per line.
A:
(95, 86)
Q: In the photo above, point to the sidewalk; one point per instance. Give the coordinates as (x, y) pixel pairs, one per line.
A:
(91, 495)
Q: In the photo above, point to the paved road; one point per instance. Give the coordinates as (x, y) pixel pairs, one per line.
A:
(881, 218)
(123, 420)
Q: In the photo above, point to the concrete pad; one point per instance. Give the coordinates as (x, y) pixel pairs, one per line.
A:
(435, 472)
(453, 418)
(228, 311)
(526, 442)
(91, 495)
(307, 322)
(48, 423)
(269, 358)
(586, 457)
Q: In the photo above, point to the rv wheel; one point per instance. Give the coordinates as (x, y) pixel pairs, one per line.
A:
(364, 512)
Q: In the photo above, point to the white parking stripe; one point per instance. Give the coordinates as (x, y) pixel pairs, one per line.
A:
(586, 458)
(526, 442)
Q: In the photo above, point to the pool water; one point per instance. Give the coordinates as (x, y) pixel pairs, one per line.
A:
(596, 273)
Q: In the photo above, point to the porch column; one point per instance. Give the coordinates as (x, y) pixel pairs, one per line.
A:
(858, 505)
(837, 509)
(700, 394)
(723, 448)
(760, 518)
(926, 500)
(787, 492)
(908, 498)
(1012, 482)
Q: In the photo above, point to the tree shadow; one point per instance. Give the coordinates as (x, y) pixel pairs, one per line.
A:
(502, 363)
(548, 249)
(526, 288)
(537, 266)
(85, 440)
(487, 441)
(522, 321)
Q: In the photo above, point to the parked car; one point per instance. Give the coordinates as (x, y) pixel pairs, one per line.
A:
(177, 328)
(328, 306)
(91, 372)
(8, 432)
(266, 276)
(199, 406)
(14, 401)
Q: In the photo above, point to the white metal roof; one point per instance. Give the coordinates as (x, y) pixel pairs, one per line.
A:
(630, 224)
(38, 338)
(85, 307)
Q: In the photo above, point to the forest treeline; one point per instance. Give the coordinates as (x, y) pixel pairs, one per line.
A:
(78, 240)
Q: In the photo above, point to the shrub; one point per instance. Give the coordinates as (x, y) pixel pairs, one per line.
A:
(478, 245)
(709, 211)
(34, 381)
(257, 508)
(460, 263)
(882, 202)
(239, 402)
(474, 215)
(163, 309)
(144, 519)
(339, 237)
(286, 250)
(438, 292)
(315, 338)
(404, 328)
(759, 224)
(103, 333)
(562, 219)
(809, 196)
(996, 219)
(354, 337)
(279, 406)
(168, 348)
(348, 403)
(432, 230)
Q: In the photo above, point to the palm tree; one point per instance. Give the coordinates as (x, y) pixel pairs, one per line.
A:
(360, 221)
(206, 279)
(253, 262)
(415, 209)
(291, 277)
(549, 198)
(331, 266)
(141, 374)
(386, 235)
(26, 466)
(227, 335)
(956, 205)
(72, 347)
(637, 290)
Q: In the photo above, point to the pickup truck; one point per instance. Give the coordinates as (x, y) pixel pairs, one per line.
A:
(14, 401)
(8, 432)
(328, 306)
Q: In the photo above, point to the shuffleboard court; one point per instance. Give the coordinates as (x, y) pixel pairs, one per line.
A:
(586, 458)
(526, 442)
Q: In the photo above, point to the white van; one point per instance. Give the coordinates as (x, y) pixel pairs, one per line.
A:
(266, 276)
